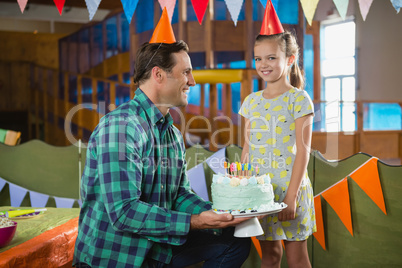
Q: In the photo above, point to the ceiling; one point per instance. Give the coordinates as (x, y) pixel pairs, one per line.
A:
(43, 16)
(104, 4)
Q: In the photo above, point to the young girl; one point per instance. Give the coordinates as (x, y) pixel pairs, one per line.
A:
(278, 138)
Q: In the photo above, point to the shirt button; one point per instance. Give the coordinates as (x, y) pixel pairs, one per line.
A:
(162, 186)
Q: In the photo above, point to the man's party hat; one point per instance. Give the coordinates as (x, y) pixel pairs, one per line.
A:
(271, 24)
(163, 32)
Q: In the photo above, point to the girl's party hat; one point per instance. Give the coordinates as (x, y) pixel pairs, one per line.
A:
(271, 24)
(163, 32)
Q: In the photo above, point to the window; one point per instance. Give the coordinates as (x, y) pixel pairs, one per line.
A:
(338, 69)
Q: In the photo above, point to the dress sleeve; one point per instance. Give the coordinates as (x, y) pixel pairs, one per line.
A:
(245, 107)
(302, 105)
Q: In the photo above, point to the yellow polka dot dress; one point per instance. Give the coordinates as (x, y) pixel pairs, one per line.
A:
(272, 144)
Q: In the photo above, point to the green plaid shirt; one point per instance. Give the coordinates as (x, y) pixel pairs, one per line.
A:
(136, 198)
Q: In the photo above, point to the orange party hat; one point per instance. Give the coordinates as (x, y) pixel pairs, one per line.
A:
(163, 32)
(271, 24)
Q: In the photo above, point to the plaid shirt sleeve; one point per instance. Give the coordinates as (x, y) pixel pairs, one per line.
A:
(120, 167)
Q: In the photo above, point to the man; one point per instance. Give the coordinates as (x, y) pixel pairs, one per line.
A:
(138, 209)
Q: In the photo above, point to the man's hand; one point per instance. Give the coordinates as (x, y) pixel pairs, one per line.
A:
(212, 220)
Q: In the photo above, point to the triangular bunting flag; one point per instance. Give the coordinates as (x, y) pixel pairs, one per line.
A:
(397, 5)
(2, 183)
(169, 5)
(367, 177)
(337, 197)
(163, 32)
(234, 7)
(365, 7)
(62, 202)
(200, 6)
(22, 4)
(215, 161)
(196, 176)
(257, 246)
(129, 7)
(38, 199)
(17, 194)
(342, 6)
(319, 235)
(92, 6)
(309, 7)
(59, 4)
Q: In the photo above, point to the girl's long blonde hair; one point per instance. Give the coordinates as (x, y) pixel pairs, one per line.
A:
(287, 43)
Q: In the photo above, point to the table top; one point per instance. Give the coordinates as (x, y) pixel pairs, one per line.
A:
(29, 228)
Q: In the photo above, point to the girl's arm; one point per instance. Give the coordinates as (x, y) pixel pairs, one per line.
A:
(303, 144)
(245, 154)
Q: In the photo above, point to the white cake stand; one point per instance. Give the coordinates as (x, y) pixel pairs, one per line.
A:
(252, 227)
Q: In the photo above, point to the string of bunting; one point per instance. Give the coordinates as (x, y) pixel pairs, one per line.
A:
(18, 193)
(337, 196)
(234, 7)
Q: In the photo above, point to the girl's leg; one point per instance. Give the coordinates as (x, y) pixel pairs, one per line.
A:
(297, 254)
(271, 254)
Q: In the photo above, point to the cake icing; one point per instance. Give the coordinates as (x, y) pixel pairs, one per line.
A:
(241, 194)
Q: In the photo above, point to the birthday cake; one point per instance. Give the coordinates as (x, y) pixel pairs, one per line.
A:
(240, 192)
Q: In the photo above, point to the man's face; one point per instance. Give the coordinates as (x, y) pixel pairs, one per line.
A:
(178, 81)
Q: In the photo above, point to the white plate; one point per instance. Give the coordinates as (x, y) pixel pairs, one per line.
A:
(260, 213)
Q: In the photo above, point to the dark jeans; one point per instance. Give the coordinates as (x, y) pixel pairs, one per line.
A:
(216, 251)
(220, 251)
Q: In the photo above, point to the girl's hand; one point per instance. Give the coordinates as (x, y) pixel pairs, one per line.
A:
(289, 212)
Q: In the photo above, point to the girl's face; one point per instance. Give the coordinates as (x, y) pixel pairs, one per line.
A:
(270, 61)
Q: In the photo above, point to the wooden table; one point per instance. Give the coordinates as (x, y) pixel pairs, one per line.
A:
(46, 240)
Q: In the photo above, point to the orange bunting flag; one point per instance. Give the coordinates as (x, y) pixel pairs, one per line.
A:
(59, 4)
(368, 179)
(257, 245)
(337, 197)
(163, 32)
(319, 235)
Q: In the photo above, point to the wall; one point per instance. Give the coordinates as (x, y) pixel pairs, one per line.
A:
(42, 49)
(19, 50)
(379, 41)
(26, 25)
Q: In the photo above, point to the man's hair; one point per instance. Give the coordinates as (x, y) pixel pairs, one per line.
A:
(150, 55)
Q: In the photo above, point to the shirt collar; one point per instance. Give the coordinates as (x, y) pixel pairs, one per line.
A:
(153, 113)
